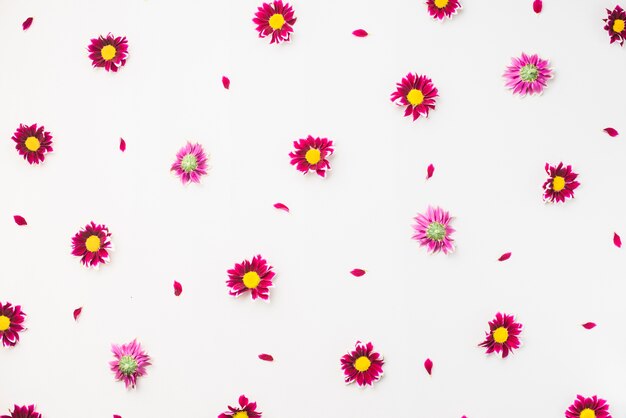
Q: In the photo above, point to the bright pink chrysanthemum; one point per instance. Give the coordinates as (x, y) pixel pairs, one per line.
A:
(23, 412)
(616, 24)
(503, 335)
(275, 19)
(527, 74)
(588, 408)
(246, 409)
(130, 362)
(109, 52)
(362, 365)
(560, 184)
(254, 276)
(417, 93)
(191, 163)
(310, 155)
(11, 320)
(440, 9)
(32, 142)
(433, 230)
(92, 245)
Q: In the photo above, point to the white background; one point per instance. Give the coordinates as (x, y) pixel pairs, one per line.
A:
(488, 146)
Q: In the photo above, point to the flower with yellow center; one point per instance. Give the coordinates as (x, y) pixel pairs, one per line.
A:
(619, 25)
(587, 413)
(362, 364)
(241, 414)
(277, 21)
(558, 183)
(5, 323)
(108, 52)
(92, 243)
(251, 279)
(313, 156)
(441, 3)
(32, 143)
(415, 97)
(500, 335)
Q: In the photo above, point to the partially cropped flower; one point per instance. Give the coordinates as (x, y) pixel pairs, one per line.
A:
(362, 365)
(130, 362)
(32, 142)
(527, 74)
(560, 184)
(109, 52)
(191, 163)
(503, 335)
(275, 19)
(11, 320)
(92, 245)
(440, 9)
(433, 230)
(246, 409)
(616, 24)
(251, 276)
(311, 154)
(23, 412)
(417, 93)
(588, 408)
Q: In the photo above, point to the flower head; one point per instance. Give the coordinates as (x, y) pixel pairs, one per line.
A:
(440, 9)
(588, 408)
(32, 142)
(560, 184)
(503, 335)
(109, 52)
(363, 365)
(92, 245)
(245, 409)
(527, 74)
(311, 154)
(417, 93)
(433, 230)
(275, 19)
(616, 24)
(11, 320)
(191, 163)
(130, 362)
(23, 412)
(251, 276)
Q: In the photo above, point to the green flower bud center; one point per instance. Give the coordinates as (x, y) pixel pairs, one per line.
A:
(436, 231)
(189, 163)
(529, 73)
(128, 365)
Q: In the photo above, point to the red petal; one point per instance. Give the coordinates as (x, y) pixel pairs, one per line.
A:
(280, 206)
(266, 357)
(617, 240)
(504, 257)
(428, 365)
(430, 171)
(19, 220)
(612, 132)
(361, 33)
(357, 272)
(117, 416)
(27, 23)
(178, 288)
(589, 325)
(537, 6)
(226, 82)
(122, 145)
(77, 312)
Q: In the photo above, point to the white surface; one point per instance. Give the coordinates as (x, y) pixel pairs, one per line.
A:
(489, 149)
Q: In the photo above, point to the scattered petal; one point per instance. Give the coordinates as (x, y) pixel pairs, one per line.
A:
(19, 220)
(611, 131)
(537, 6)
(617, 240)
(122, 145)
(589, 325)
(504, 257)
(117, 416)
(178, 288)
(27, 23)
(281, 206)
(428, 365)
(226, 82)
(77, 313)
(266, 357)
(357, 272)
(430, 171)
(361, 33)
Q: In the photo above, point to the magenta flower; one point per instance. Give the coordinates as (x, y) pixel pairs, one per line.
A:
(191, 163)
(503, 335)
(23, 412)
(110, 52)
(527, 75)
(311, 154)
(417, 93)
(130, 362)
(440, 9)
(32, 142)
(246, 409)
(251, 276)
(362, 365)
(433, 230)
(588, 408)
(616, 24)
(275, 19)
(92, 245)
(560, 184)
(11, 320)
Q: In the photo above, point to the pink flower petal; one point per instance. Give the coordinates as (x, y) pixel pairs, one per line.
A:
(117, 416)
(361, 33)
(429, 171)
(19, 220)
(266, 357)
(504, 257)
(589, 325)
(280, 206)
(617, 240)
(178, 288)
(537, 6)
(77, 312)
(122, 145)
(226, 82)
(357, 272)
(27, 23)
(428, 365)
(612, 132)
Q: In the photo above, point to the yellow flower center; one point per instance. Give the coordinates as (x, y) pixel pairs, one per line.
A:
(93, 243)
(251, 279)
(313, 156)
(415, 97)
(441, 3)
(5, 323)
(618, 25)
(32, 143)
(362, 364)
(241, 414)
(277, 21)
(558, 183)
(500, 335)
(587, 413)
(108, 52)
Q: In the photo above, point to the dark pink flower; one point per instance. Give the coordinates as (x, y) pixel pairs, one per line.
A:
(130, 362)
(588, 408)
(275, 19)
(191, 163)
(362, 365)
(251, 276)
(109, 52)
(246, 409)
(503, 335)
(32, 142)
(527, 74)
(616, 24)
(560, 184)
(92, 245)
(311, 154)
(417, 93)
(23, 412)
(433, 230)
(11, 320)
(440, 9)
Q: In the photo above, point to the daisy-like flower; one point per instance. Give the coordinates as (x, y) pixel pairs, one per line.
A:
(92, 245)
(254, 276)
(109, 52)
(560, 184)
(23, 412)
(275, 19)
(363, 365)
(11, 320)
(130, 362)
(527, 74)
(191, 163)
(440, 9)
(311, 154)
(503, 335)
(417, 93)
(588, 408)
(433, 230)
(616, 24)
(246, 409)
(32, 142)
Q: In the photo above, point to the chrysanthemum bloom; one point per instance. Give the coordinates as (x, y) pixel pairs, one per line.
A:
(254, 276)
(110, 52)
(588, 408)
(191, 163)
(440, 9)
(363, 365)
(433, 230)
(130, 362)
(616, 24)
(311, 154)
(503, 335)
(246, 409)
(417, 93)
(11, 320)
(92, 245)
(275, 19)
(23, 412)
(527, 74)
(560, 184)
(32, 142)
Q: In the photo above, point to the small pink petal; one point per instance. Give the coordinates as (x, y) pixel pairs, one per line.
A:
(537, 6)
(178, 288)
(361, 33)
(77, 312)
(117, 416)
(280, 206)
(612, 132)
(504, 257)
(429, 171)
(589, 325)
(27, 23)
(122, 145)
(617, 240)
(226, 82)
(357, 272)
(266, 357)
(19, 220)
(428, 365)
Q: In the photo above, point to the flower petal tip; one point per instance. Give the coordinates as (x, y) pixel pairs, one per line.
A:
(122, 145)
(77, 313)
(281, 206)
(612, 132)
(430, 171)
(428, 365)
(589, 325)
(226, 82)
(20, 220)
(617, 240)
(358, 272)
(178, 288)
(266, 357)
(537, 6)
(504, 257)
(27, 23)
(360, 33)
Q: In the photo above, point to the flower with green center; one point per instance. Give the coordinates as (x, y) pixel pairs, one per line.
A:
(433, 230)
(130, 362)
(527, 74)
(128, 365)
(436, 231)
(191, 163)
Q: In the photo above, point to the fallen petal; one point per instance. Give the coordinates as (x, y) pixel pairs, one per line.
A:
(117, 416)
(617, 240)
(430, 171)
(19, 220)
(27, 23)
(77, 312)
(122, 145)
(178, 288)
(280, 206)
(361, 33)
(357, 272)
(612, 132)
(226, 82)
(589, 325)
(537, 6)
(428, 365)
(504, 257)
(266, 357)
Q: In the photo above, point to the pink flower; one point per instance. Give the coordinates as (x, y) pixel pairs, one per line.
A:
(130, 362)
(560, 184)
(23, 412)
(588, 408)
(32, 142)
(251, 276)
(433, 230)
(11, 320)
(417, 93)
(92, 245)
(362, 365)
(616, 24)
(440, 9)
(246, 409)
(191, 163)
(503, 335)
(109, 52)
(275, 19)
(311, 154)
(527, 74)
